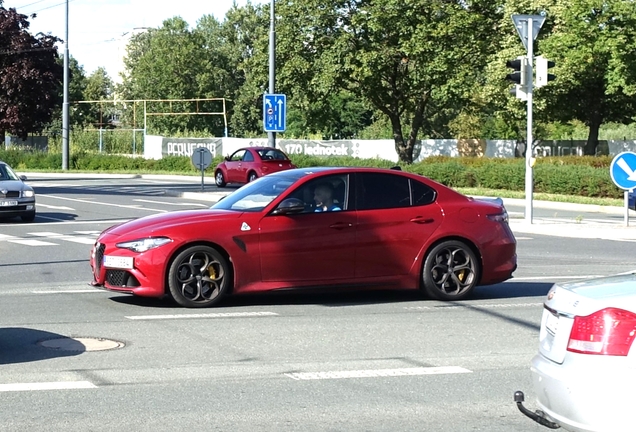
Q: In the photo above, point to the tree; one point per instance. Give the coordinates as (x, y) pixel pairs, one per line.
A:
(171, 63)
(30, 76)
(413, 60)
(593, 44)
(99, 87)
(240, 44)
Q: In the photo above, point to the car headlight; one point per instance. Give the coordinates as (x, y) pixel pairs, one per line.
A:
(27, 193)
(142, 245)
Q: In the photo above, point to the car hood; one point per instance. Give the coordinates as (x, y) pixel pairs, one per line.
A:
(163, 222)
(14, 185)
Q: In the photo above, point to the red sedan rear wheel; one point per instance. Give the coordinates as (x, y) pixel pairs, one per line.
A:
(451, 271)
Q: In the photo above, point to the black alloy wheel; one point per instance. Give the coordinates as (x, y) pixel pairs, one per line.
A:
(198, 277)
(252, 177)
(451, 271)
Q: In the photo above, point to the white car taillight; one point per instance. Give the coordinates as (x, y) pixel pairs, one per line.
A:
(609, 331)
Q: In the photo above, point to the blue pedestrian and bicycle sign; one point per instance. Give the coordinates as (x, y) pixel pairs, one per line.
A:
(623, 170)
(274, 112)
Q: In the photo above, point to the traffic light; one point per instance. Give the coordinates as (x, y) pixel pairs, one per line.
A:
(520, 67)
(519, 76)
(543, 77)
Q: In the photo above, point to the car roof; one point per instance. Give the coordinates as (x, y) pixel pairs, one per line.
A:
(302, 172)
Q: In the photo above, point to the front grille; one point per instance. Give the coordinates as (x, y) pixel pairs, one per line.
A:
(13, 194)
(121, 278)
(99, 258)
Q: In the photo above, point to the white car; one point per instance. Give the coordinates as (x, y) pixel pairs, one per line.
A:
(585, 372)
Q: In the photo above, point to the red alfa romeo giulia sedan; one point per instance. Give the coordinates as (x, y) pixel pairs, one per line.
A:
(349, 228)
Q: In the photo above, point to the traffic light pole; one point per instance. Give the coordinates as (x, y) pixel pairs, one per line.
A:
(529, 138)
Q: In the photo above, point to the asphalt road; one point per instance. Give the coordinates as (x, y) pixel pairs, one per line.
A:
(381, 361)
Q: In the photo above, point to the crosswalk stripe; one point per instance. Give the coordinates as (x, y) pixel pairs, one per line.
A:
(57, 236)
(63, 385)
(376, 373)
(27, 242)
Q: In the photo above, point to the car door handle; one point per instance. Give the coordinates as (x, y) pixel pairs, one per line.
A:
(422, 220)
(341, 225)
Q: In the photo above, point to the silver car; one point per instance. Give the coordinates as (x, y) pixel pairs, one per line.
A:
(585, 372)
(16, 197)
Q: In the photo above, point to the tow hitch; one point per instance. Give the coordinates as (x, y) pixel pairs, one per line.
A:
(538, 416)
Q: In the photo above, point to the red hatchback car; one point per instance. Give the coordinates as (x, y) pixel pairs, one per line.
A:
(248, 164)
(308, 228)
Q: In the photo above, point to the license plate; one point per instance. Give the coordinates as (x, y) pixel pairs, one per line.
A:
(8, 203)
(118, 262)
(552, 323)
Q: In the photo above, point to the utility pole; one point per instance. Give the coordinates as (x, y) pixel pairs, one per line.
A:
(65, 146)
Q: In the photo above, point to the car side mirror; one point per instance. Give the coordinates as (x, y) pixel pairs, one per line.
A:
(289, 206)
(23, 177)
(227, 158)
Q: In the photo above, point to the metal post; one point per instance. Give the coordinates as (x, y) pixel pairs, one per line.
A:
(529, 139)
(271, 136)
(626, 196)
(65, 146)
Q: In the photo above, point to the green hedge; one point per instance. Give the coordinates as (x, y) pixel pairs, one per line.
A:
(568, 175)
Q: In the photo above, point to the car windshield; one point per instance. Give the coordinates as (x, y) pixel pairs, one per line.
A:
(7, 173)
(256, 195)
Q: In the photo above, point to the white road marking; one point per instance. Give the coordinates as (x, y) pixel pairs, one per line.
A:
(377, 373)
(7, 237)
(62, 385)
(77, 291)
(210, 315)
(26, 242)
(54, 207)
(57, 236)
(553, 277)
(79, 222)
(475, 306)
(523, 238)
(106, 204)
(172, 204)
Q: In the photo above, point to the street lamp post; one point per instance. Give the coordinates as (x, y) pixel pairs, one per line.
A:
(65, 151)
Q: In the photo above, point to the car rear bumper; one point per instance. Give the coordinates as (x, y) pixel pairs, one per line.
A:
(586, 392)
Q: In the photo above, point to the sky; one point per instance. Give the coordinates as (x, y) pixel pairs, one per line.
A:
(98, 29)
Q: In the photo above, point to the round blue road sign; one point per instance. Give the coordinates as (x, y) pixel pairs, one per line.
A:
(623, 170)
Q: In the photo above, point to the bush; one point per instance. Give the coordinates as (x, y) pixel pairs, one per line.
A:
(570, 175)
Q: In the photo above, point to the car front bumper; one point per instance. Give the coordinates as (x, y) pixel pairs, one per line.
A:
(586, 392)
(145, 277)
(24, 206)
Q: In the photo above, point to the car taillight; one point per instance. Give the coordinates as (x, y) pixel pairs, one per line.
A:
(609, 331)
(499, 217)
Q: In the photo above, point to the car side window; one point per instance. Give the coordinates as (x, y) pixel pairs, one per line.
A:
(325, 194)
(422, 194)
(382, 191)
(248, 157)
(237, 156)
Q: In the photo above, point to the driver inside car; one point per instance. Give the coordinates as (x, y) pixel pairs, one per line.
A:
(323, 196)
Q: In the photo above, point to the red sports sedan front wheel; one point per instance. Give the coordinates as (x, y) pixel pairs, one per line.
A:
(198, 277)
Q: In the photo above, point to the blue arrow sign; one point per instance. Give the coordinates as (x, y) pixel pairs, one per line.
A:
(274, 112)
(623, 170)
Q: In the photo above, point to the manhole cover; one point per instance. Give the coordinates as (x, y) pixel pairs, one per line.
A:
(81, 344)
